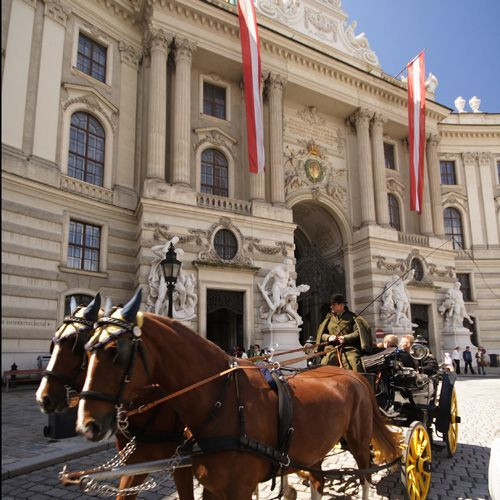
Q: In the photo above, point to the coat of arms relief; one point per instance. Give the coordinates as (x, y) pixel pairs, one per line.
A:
(308, 164)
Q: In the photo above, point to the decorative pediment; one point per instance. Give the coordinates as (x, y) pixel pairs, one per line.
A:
(216, 137)
(454, 198)
(92, 100)
(322, 20)
(395, 185)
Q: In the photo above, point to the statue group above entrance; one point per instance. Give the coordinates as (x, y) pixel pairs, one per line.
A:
(280, 292)
(395, 309)
(453, 308)
(184, 296)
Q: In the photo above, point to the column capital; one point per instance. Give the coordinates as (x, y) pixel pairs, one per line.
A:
(184, 48)
(433, 140)
(469, 158)
(378, 120)
(485, 158)
(158, 39)
(275, 82)
(361, 116)
(57, 11)
(129, 54)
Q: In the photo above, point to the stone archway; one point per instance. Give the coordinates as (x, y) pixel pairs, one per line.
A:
(319, 262)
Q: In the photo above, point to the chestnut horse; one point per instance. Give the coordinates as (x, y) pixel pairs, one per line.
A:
(157, 434)
(328, 402)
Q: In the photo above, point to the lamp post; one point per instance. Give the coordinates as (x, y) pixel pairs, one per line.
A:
(170, 267)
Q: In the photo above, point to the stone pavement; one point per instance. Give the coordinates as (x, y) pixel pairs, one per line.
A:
(462, 477)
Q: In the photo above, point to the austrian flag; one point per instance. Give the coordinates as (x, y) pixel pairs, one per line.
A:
(250, 49)
(416, 124)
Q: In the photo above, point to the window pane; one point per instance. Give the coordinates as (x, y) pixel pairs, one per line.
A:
(448, 172)
(453, 227)
(84, 246)
(225, 244)
(464, 280)
(91, 58)
(394, 217)
(389, 156)
(214, 100)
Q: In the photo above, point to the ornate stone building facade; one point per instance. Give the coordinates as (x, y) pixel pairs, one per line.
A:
(123, 125)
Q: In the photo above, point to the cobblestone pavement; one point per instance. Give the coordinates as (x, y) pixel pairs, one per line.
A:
(461, 477)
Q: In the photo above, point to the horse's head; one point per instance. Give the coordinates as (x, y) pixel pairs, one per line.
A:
(65, 372)
(117, 370)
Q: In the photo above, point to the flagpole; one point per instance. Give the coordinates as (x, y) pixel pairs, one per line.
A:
(406, 66)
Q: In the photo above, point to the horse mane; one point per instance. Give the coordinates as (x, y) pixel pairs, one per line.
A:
(174, 327)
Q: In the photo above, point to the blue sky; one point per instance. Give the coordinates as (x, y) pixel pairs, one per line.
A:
(461, 38)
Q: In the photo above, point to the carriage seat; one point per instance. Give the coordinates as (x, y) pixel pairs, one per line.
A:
(377, 361)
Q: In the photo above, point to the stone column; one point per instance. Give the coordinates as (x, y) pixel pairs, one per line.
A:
(379, 178)
(257, 181)
(435, 184)
(361, 119)
(485, 167)
(473, 195)
(426, 215)
(159, 42)
(275, 85)
(181, 167)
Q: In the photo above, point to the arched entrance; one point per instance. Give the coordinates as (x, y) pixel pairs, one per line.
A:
(319, 263)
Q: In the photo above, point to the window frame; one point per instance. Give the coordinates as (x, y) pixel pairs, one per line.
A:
(455, 173)
(497, 162)
(398, 204)
(393, 146)
(215, 80)
(103, 255)
(94, 46)
(390, 141)
(215, 245)
(448, 235)
(84, 246)
(85, 157)
(469, 288)
(101, 39)
(214, 166)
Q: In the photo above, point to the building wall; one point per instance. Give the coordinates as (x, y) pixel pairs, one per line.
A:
(323, 98)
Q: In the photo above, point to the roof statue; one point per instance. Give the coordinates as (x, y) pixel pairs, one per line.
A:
(324, 21)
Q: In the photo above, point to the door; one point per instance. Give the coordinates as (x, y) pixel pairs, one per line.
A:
(225, 319)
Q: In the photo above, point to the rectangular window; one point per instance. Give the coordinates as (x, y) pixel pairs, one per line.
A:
(214, 100)
(84, 246)
(448, 172)
(389, 156)
(91, 58)
(498, 171)
(464, 280)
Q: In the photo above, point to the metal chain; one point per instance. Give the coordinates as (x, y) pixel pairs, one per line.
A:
(108, 490)
(122, 420)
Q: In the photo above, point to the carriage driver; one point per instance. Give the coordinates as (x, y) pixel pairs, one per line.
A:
(348, 333)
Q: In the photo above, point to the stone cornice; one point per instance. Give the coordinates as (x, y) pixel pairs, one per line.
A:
(482, 132)
(223, 18)
(56, 10)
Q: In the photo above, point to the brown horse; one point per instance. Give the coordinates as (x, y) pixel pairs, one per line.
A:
(328, 402)
(157, 434)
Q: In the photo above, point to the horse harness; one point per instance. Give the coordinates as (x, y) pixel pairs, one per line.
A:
(81, 336)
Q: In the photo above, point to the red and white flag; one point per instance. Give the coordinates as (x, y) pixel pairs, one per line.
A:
(250, 48)
(416, 123)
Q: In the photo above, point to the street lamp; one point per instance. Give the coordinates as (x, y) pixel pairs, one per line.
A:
(170, 267)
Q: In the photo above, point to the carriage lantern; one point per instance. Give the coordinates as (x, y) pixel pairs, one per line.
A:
(170, 267)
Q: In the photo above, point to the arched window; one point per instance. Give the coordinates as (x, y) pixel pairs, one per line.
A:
(86, 149)
(394, 218)
(226, 244)
(80, 299)
(417, 266)
(453, 227)
(214, 173)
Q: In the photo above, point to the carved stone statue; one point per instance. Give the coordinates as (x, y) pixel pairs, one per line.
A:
(184, 297)
(453, 308)
(395, 309)
(280, 292)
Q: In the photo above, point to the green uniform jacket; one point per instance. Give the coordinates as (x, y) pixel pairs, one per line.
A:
(357, 339)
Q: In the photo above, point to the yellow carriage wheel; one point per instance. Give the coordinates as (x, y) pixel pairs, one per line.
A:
(451, 436)
(417, 459)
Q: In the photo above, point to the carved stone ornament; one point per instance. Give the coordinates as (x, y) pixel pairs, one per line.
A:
(129, 55)
(322, 26)
(308, 169)
(214, 136)
(280, 247)
(211, 256)
(157, 39)
(275, 83)
(362, 117)
(309, 114)
(399, 265)
(57, 11)
(455, 199)
(184, 48)
(433, 140)
(469, 158)
(448, 272)
(94, 103)
(281, 10)
(395, 186)
(161, 232)
(485, 158)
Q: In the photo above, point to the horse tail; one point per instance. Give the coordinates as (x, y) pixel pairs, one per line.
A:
(386, 443)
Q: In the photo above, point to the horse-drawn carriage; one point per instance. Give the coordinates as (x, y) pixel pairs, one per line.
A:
(245, 430)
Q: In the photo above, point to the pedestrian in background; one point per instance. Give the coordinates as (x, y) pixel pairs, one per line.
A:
(481, 360)
(455, 356)
(467, 355)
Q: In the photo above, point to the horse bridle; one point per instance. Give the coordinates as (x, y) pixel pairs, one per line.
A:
(81, 336)
(134, 346)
